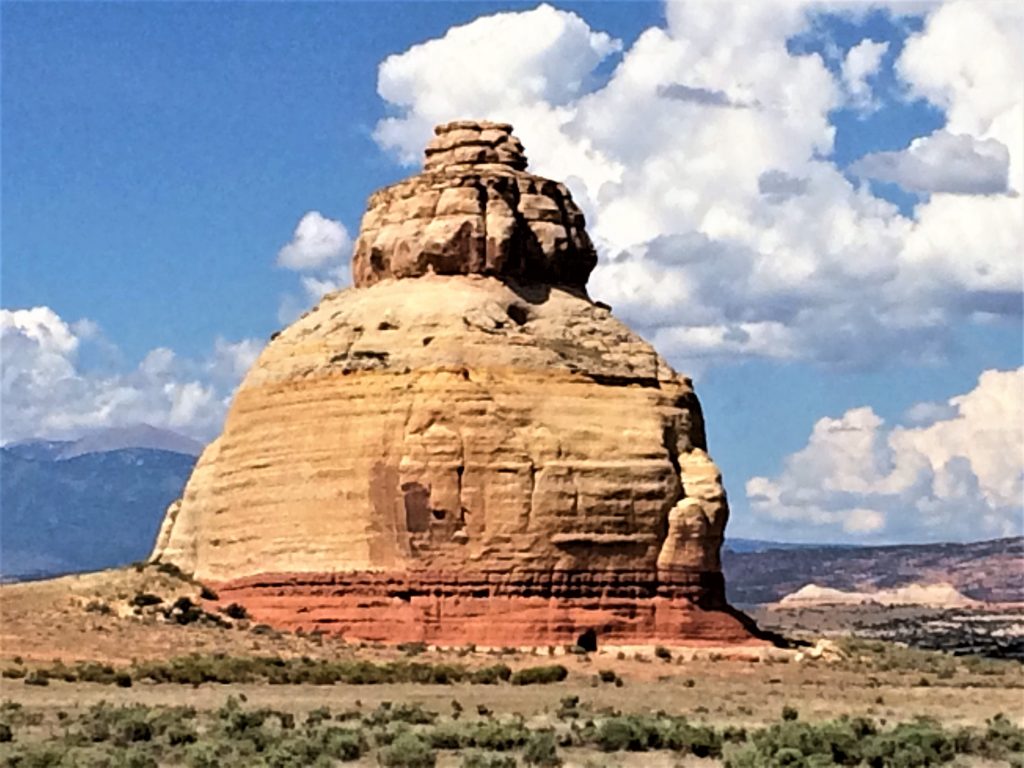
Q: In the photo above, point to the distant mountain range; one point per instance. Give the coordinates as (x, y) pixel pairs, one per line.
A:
(137, 436)
(97, 502)
(87, 504)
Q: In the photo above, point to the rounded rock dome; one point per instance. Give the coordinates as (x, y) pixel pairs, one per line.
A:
(464, 448)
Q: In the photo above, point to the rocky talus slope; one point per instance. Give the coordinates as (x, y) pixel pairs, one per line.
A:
(464, 448)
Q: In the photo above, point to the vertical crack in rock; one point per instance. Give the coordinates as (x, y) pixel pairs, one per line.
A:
(463, 448)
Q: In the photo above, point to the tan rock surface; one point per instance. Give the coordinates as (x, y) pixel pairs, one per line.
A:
(418, 422)
(458, 457)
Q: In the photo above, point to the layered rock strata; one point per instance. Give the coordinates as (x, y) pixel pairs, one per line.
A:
(464, 448)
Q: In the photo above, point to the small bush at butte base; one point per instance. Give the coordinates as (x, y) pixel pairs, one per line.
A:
(236, 611)
(554, 673)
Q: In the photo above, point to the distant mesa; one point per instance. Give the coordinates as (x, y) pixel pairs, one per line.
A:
(463, 447)
(943, 595)
(765, 572)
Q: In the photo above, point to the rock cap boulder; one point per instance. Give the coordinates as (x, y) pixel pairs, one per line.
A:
(474, 210)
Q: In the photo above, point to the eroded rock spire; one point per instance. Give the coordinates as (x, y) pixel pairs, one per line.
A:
(473, 452)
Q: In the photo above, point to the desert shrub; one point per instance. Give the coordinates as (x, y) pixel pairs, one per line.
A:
(6, 733)
(639, 733)
(408, 750)
(789, 713)
(699, 740)
(219, 668)
(857, 741)
(184, 611)
(343, 744)
(172, 570)
(568, 707)
(14, 673)
(121, 725)
(616, 735)
(40, 756)
(134, 728)
(206, 593)
(413, 714)
(554, 673)
(123, 680)
(180, 734)
(663, 653)
(195, 669)
(294, 751)
(164, 719)
(59, 671)
(541, 750)
(839, 741)
(491, 675)
(37, 677)
(119, 757)
(921, 743)
(496, 735)
(430, 674)
(487, 760)
(608, 675)
(236, 611)
(144, 599)
(317, 716)
(365, 673)
(747, 756)
(449, 736)
(205, 754)
(1001, 738)
(90, 672)
(788, 757)
(242, 723)
(412, 649)
(95, 730)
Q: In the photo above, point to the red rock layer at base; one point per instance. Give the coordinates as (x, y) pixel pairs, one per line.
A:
(494, 610)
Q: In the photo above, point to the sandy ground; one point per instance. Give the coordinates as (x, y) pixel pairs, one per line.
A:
(44, 621)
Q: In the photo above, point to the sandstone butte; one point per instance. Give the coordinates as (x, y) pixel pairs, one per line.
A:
(463, 447)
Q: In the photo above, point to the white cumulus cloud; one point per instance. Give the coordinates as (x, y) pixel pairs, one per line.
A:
(942, 162)
(703, 165)
(540, 60)
(859, 66)
(959, 476)
(320, 250)
(47, 392)
(316, 243)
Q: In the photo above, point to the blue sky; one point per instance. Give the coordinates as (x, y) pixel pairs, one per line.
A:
(156, 157)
